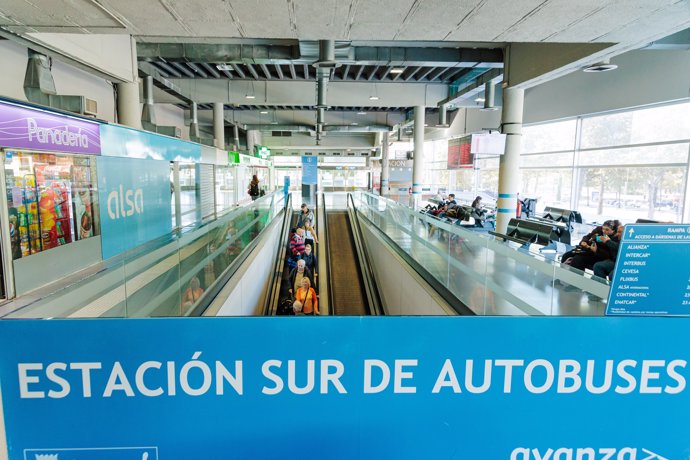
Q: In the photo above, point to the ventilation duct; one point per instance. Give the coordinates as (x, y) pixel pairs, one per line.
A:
(148, 114)
(323, 67)
(489, 96)
(39, 87)
(442, 116)
(194, 121)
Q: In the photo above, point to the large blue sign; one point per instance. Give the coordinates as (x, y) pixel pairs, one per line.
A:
(652, 275)
(135, 202)
(343, 388)
(310, 170)
(118, 141)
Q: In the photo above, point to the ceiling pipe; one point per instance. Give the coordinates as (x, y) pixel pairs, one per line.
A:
(442, 116)
(489, 96)
(148, 114)
(194, 122)
(323, 67)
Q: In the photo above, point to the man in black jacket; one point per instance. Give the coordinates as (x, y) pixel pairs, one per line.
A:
(296, 275)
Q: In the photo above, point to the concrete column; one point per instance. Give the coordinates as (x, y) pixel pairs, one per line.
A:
(418, 163)
(509, 167)
(128, 112)
(251, 140)
(219, 125)
(385, 168)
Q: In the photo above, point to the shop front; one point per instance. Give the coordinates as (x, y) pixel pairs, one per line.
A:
(51, 224)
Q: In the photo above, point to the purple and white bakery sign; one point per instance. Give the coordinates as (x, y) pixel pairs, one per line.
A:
(26, 128)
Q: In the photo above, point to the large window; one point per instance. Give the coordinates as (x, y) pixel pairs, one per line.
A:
(624, 165)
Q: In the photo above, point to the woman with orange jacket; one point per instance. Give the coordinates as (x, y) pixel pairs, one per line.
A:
(307, 297)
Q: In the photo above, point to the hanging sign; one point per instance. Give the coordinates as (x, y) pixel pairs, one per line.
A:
(310, 170)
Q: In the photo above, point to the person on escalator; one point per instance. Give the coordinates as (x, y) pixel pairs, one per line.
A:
(304, 214)
(309, 259)
(297, 275)
(307, 297)
(309, 234)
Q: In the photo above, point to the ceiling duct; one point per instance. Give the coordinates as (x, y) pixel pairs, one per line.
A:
(148, 114)
(442, 116)
(39, 87)
(194, 120)
(323, 66)
(489, 96)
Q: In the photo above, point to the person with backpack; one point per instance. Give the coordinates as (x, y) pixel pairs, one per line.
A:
(253, 190)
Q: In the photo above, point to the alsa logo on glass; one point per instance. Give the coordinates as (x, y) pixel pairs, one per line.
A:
(585, 453)
(125, 203)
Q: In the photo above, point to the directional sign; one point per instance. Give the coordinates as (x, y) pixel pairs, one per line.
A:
(652, 275)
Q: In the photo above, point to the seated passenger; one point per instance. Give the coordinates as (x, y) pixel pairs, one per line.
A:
(296, 276)
(589, 252)
(297, 308)
(451, 200)
(308, 298)
(478, 212)
(309, 259)
(604, 268)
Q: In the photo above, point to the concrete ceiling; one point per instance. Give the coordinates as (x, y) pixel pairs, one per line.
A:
(494, 21)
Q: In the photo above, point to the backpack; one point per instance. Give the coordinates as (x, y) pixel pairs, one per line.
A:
(285, 308)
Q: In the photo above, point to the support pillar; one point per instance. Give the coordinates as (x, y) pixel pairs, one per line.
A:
(251, 140)
(418, 163)
(509, 166)
(385, 168)
(128, 113)
(219, 125)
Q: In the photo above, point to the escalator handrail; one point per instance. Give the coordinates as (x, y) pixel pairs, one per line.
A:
(327, 240)
(274, 287)
(438, 287)
(368, 275)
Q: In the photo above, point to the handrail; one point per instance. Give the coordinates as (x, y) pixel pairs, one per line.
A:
(435, 284)
(271, 306)
(325, 288)
(122, 278)
(368, 275)
(542, 265)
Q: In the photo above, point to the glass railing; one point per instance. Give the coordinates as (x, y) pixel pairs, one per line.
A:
(489, 275)
(169, 276)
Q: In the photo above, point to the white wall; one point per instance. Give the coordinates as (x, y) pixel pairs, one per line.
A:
(110, 53)
(68, 80)
(170, 115)
(643, 77)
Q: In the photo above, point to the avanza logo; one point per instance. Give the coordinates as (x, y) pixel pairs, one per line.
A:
(126, 203)
(585, 453)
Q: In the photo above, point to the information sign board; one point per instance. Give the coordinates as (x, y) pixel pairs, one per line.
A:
(346, 387)
(652, 274)
(310, 170)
